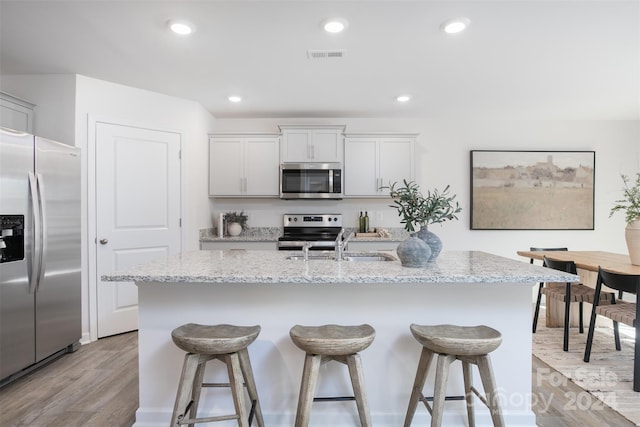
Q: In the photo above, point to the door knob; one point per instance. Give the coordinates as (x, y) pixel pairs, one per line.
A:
(104, 241)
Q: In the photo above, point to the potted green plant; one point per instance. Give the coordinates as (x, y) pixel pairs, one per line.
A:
(418, 211)
(630, 205)
(236, 222)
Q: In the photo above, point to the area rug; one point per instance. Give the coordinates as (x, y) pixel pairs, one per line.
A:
(608, 376)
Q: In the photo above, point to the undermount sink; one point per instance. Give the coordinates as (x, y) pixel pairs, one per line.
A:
(347, 256)
(311, 257)
(368, 256)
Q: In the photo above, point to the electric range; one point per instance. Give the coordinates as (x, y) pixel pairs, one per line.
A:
(319, 229)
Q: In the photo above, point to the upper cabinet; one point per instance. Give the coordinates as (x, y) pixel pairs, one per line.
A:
(16, 113)
(372, 161)
(304, 143)
(243, 165)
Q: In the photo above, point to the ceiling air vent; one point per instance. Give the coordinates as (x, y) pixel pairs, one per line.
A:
(325, 54)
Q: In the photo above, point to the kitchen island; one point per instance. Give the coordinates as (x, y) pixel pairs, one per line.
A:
(265, 288)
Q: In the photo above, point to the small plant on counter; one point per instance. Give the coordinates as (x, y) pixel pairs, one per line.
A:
(630, 204)
(241, 218)
(417, 209)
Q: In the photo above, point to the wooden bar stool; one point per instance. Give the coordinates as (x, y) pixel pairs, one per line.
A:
(471, 345)
(227, 343)
(323, 344)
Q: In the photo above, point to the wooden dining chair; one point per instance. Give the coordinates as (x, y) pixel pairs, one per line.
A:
(618, 311)
(540, 286)
(568, 293)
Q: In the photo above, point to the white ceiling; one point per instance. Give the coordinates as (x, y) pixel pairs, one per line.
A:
(541, 59)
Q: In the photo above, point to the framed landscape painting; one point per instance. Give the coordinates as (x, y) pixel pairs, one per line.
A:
(532, 190)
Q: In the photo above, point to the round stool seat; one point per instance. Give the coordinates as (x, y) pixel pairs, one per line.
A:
(457, 340)
(214, 339)
(332, 340)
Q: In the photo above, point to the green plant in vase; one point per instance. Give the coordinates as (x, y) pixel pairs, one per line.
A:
(236, 222)
(630, 206)
(418, 211)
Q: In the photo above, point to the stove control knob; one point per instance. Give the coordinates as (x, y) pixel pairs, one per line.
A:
(295, 219)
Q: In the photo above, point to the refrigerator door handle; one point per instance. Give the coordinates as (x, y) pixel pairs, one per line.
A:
(37, 234)
(43, 240)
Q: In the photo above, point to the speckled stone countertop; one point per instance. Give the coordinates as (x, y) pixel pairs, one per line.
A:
(271, 234)
(251, 234)
(250, 266)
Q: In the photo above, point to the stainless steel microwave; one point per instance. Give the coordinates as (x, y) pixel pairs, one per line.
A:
(311, 181)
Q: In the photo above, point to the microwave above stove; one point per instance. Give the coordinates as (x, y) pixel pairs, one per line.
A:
(311, 181)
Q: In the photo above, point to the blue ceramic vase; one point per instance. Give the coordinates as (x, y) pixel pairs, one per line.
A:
(413, 252)
(431, 239)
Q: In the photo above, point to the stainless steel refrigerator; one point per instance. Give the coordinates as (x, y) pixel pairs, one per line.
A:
(40, 311)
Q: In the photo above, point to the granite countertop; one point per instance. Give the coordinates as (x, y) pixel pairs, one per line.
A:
(251, 234)
(251, 266)
(271, 234)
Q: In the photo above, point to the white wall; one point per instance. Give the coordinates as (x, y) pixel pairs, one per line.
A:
(442, 157)
(103, 100)
(126, 104)
(54, 96)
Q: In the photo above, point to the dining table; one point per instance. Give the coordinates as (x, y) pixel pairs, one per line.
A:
(590, 261)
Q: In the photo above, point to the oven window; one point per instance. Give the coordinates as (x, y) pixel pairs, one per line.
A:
(305, 181)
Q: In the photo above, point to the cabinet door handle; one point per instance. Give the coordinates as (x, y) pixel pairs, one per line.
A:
(245, 185)
(104, 241)
(313, 152)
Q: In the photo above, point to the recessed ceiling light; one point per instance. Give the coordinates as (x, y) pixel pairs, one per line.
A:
(181, 27)
(456, 25)
(235, 98)
(403, 98)
(335, 25)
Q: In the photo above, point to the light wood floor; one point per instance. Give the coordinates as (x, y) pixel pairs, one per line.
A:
(98, 386)
(95, 386)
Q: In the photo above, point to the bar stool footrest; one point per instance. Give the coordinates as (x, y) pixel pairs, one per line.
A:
(425, 401)
(220, 385)
(482, 398)
(334, 399)
(207, 419)
(430, 398)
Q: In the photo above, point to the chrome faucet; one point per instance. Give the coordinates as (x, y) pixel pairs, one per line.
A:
(341, 245)
(306, 246)
(305, 250)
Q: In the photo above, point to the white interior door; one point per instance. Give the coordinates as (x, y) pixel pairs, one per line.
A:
(137, 213)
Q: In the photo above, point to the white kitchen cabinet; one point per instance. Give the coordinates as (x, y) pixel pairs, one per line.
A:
(244, 165)
(372, 161)
(16, 113)
(311, 143)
